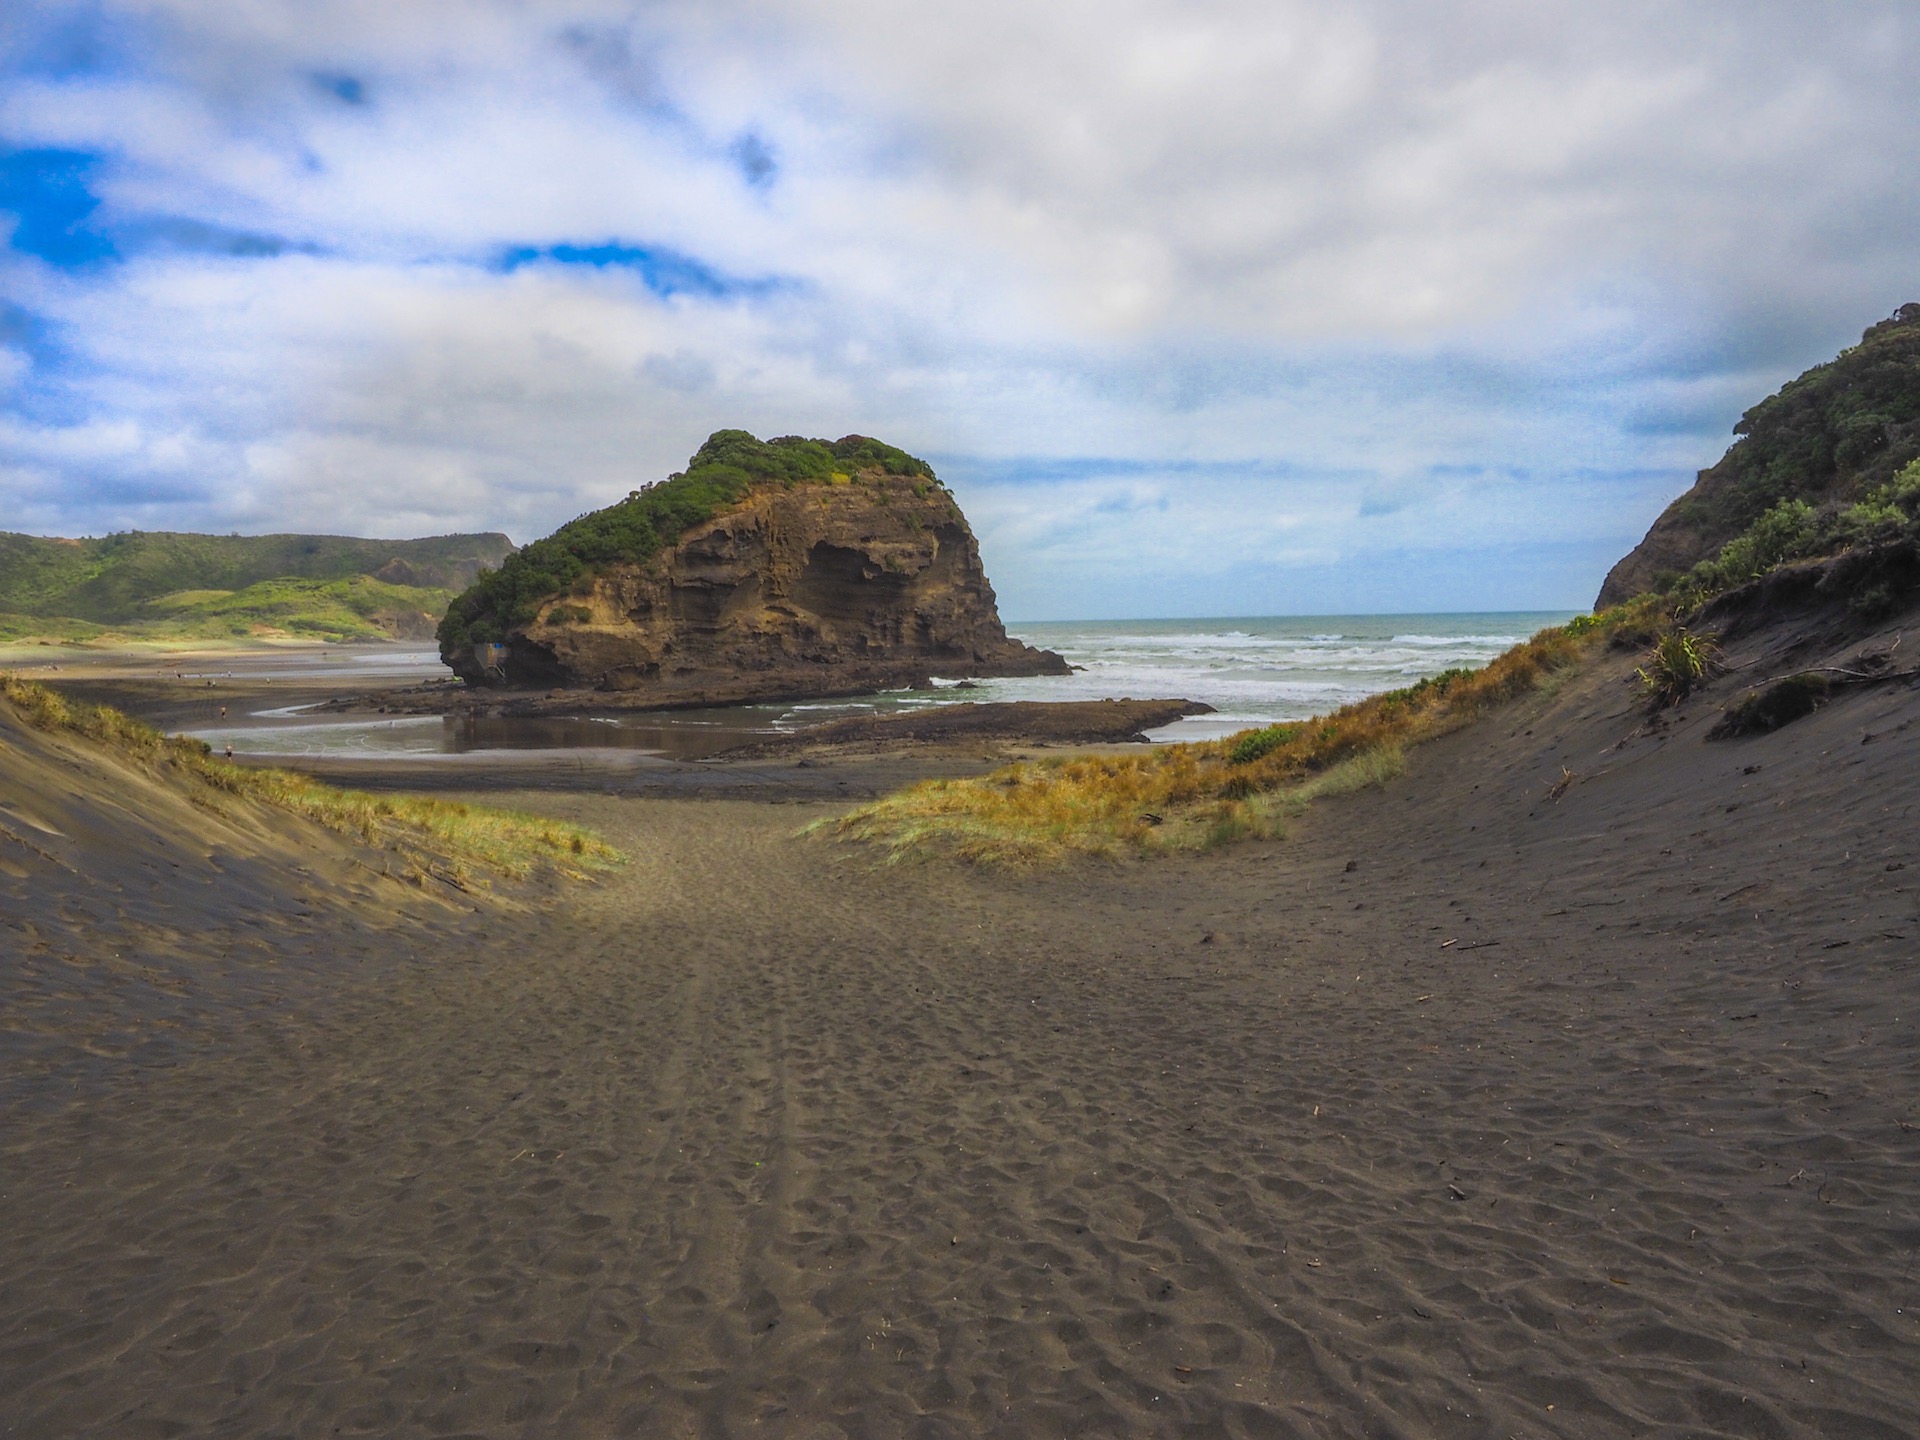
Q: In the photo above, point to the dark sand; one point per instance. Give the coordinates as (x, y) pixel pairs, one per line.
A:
(190, 690)
(757, 1138)
(970, 725)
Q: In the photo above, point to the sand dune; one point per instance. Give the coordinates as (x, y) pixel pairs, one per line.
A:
(1468, 1110)
(132, 909)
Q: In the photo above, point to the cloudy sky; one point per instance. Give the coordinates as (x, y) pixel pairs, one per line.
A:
(1202, 308)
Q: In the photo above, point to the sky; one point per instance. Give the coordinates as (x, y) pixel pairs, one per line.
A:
(1201, 308)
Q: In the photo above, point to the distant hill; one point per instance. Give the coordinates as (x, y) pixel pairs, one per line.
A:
(1837, 436)
(170, 583)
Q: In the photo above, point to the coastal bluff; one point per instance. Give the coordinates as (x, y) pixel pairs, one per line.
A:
(767, 570)
(1825, 440)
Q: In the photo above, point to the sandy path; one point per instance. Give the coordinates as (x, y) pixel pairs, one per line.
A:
(755, 1139)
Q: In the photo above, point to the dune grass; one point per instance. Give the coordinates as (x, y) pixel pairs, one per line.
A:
(442, 839)
(1201, 795)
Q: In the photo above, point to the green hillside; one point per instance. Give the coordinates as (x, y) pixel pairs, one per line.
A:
(1835, 438)
(1840, 429)
(168, 585)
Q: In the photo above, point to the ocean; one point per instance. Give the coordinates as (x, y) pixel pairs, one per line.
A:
(1254, 670)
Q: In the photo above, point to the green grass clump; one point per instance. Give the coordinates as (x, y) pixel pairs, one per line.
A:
(441, 838)
(1182, 797)
(1676, 666)
(1252, 745)
(723, 471)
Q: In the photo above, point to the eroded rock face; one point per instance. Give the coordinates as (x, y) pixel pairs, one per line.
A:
(819, 589)
(1672, 546)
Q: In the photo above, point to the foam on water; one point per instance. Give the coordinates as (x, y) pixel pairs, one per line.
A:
(1253, 671)
(1259, 670)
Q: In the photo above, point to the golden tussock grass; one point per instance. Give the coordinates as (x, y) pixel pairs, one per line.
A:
(1197, 796)
(445, 839)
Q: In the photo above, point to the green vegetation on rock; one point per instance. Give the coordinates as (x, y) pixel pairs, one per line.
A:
(1829, 440)
(1794, 529)
(1840, 429)
(723, 471)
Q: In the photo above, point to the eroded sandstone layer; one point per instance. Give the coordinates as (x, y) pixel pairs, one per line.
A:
(854, 583)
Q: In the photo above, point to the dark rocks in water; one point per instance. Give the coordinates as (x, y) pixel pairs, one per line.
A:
(1069, 722)
(797, 585)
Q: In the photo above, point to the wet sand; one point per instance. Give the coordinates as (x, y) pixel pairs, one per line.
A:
(1465, 1110)
(198, 689)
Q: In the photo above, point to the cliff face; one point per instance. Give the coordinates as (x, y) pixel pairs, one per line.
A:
(1839, 429)
(839, 586)
(1671, 547)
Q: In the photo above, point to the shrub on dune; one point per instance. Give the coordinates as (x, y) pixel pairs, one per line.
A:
(1205, 794)
(1676, 666)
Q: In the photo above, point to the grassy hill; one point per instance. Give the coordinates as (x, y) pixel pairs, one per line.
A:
(167, 585)
(1838, 437)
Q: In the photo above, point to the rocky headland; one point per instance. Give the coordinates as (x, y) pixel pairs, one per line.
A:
(766, 571)
(1824, 444)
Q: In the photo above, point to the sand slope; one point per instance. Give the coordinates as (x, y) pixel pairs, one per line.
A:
(756, 1139)
(132, 903)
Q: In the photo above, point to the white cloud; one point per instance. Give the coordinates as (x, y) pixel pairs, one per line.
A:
(1336, 258)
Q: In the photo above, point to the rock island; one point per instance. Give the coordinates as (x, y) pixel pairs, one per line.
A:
(766, 570)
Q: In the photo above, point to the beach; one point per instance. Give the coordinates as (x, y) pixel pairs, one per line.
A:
(1473, 1107)
(871, 722)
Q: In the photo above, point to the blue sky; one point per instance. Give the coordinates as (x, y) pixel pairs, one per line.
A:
(1202, 308)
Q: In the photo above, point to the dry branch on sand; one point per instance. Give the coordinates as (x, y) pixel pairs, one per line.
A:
(444, 839)
(1201, 795)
